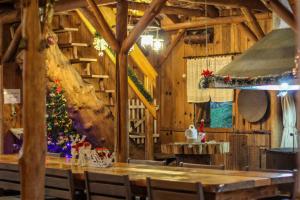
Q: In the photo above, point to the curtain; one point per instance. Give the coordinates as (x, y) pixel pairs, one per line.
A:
(289, 121)
(194, 69)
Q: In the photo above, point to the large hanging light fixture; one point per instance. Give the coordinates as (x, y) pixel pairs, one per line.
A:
(157, 43)
(147, 40)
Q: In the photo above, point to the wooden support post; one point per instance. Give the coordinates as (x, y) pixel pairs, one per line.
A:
(122, 137)
(1, 42)
(1, 91)
(9, 17)
(253, 22)
(171, 46)
(32, 155)
(282, 12)
(13, 46)
(149, 145)
(248, 31)
(151, 12)
(107, 32)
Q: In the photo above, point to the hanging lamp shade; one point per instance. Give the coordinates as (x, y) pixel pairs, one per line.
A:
(267, 65)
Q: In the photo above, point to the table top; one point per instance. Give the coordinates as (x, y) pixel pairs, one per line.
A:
(210, 147)
(212, 180)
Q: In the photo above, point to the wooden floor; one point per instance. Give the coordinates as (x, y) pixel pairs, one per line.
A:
(218, 184)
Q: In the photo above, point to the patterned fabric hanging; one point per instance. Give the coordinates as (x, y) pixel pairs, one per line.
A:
(194, 69)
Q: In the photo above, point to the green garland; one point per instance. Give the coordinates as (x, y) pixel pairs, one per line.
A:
(132, 75)
(227, 81)
(139, 85)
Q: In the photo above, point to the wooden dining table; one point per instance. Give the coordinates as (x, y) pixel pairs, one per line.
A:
(217, 184)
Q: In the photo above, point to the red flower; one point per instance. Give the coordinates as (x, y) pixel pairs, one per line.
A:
(56, 81)
(227, 79)
(207, 73)
(58, 89)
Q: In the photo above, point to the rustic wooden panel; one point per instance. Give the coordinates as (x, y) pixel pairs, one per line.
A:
(12, 79)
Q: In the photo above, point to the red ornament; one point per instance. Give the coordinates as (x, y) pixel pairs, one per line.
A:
(201, 127)
(207, 73)
(58, 89)
(227, 79)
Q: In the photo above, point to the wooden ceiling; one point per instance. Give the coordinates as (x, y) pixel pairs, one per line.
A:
(183, 12)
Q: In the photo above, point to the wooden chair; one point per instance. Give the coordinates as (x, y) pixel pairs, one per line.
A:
(190, 165)
(59, 184)
(9, 180)
(104, 186)
(171, 190)
(290, 189)
(148, 162)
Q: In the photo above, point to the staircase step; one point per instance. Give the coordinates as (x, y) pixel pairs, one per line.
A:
(109, 105)
(95, 76)
(109, 91)
(65, 29)
(73, 44)
(64, 13)
(82, 60)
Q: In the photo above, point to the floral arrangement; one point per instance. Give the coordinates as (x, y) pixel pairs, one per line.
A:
(84, 155)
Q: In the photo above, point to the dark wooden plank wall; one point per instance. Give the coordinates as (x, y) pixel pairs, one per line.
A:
(176, 114)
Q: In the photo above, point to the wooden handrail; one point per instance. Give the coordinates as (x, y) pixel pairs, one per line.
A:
(149, 106)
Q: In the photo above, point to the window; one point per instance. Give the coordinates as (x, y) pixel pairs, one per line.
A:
(215, 114)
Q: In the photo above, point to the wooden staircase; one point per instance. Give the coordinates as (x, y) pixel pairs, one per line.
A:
(84, 62)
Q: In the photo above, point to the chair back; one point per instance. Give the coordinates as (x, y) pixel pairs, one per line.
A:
(59, 184)
(190, 165)
(148, 162)
(104, 186)
(286, 188)
(10, 177)
(171, 190)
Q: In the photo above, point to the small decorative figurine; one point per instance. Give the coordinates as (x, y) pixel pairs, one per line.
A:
(202, 135)
(191, 134)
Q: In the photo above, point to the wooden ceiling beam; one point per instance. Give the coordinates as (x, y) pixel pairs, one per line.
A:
(68, 5)
(170, 47)
(10, 17)
(13, 45)
(65, 5)
(256, 28)
(213, 21)
(292, 4)
(282, 12)
(250, 34)
(107, 32)
(152, 11)
(253, 4)
(167, 9)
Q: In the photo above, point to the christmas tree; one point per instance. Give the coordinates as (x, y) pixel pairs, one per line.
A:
(60, 130)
